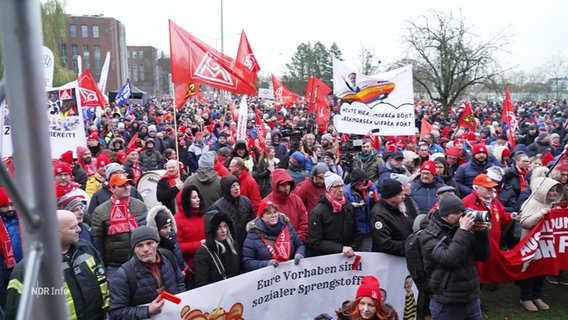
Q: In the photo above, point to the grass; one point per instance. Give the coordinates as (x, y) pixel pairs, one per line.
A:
(503, 304)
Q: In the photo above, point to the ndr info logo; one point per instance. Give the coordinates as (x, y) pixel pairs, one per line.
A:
(48, 291)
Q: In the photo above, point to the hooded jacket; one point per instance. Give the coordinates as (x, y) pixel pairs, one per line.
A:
(289, 204)
(170, 243)
(249, 188)
(190, 226)
(239, 209)
(534, 209)
(209, 184)
(211, 264)
(309, 193)
(255, 252)
(279, 148)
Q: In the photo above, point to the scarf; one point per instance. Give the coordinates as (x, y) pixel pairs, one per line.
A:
(6, 249)
(337, 205)
(365, 158)
(136, 170)
(171, 178)
(281, 247)
(60, 190)
(523, 178)
(121, 220)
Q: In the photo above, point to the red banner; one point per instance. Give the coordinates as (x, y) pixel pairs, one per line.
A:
(185, 91)
(283, 95)
(509, 117)
(467, 119)
(90, 94)
(541, 252)
(247, 58)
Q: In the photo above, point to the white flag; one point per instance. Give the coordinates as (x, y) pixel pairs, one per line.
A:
(242, 121)
(47, 63)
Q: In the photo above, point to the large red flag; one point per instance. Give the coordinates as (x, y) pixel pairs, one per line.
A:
(282, 94)
(467, 120)
(185, 91)
(509, 117)
(261, 130)
(193, 60)
(425, 128)
(316, 93)
(247, 58)
(91, 95)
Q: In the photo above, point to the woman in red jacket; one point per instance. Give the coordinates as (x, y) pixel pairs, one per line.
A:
(190, 222)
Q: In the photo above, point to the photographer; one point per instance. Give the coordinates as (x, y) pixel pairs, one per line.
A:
(450, 250)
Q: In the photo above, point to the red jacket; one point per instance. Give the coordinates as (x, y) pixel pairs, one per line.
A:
(499, 217)
(250, 189)
(289, 204)
(222, 171)
(308, 193)
(190, 232)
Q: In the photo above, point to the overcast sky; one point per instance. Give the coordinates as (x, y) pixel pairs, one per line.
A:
(276, 28)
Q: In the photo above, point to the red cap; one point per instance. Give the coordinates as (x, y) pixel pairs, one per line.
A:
(103, 160)
(479, 148)
(264, 205)
(121, 156)
(199, 134)
(61, 168)
(428, 166)
(484, 181)
(4, 198)
(118, 179)
(93, 136)
(370, 287)
(67, 157)
(471, 136)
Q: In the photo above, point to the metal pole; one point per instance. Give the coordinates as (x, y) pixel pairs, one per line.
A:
(20, 25)
(222, 92)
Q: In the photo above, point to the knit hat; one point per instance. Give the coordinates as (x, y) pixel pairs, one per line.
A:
(112, 168)
(143, 233)
(327, 137)
(479, 148)
(484, 181)
(4, 197)
(329, 154)
(299, 157)
(69, 203)
(370, 288)
(398, 155)
(444, 189)
(207, 160)
(358, 175)
(428, 166)
(450, 203)
(162, 218)
(103, 160)
(120, 156)
(61, 168)
(93, 136)
(264, 204)
(318, 168)
(331, 179)
(402, 178)
(148, 140)
(152, 128)
(67, 157)
(391, 188)
(543, 135)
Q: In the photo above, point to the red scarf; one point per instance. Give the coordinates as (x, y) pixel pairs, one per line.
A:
(121, 220)
(171, 178)
(60, 190)
(523, 178)
(136, 172)
(6, 243)
(281, 248)
(372, 195)
(337, 205)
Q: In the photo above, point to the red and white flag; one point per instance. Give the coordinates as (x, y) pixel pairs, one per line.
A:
(185, 91)
(261, 130)
(509, 117)
(89, 92)
(316, 94)
(467, 119)
(247, 58)
(192, 60)
(283, 95)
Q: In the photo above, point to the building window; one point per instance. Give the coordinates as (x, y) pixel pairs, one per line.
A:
(141, 69)
(97, 50)
(86, 57)
(63, 55)
(140, 54)
(74, 51)
(129, 71)
(135, 73)
(134, 54)
(73, 30)
(95, 31)
(84, 31)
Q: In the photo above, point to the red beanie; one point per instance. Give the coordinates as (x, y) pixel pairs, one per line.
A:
(370, 288)
(4, 198)
(506, 153)
(103, 160)
(67, 157)
(471, 136)
(453, 151)
(428, 166)
(93, 136)
(62, 167)
(120, 156)
(479, 148)
(264, 205)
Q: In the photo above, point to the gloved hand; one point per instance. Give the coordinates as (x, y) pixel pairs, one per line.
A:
(273, 263)
(297, 258)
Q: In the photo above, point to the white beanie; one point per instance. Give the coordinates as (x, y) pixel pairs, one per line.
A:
(330, 179)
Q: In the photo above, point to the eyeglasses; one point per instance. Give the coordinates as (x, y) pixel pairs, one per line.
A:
(426, 173)
(340, 186)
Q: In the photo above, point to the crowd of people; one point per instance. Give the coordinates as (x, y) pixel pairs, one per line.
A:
(230, 206)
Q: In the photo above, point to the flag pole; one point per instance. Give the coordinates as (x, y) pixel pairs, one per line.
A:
(175, 121)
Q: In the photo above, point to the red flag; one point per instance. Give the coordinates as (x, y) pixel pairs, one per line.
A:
(91, 95)
(425, 128)
(185, 91)
(467, 120)
(132, 143)
(193, 60)
(247, 58)
(509, 117)
(261, 131)
(316, 93)
(282, 94)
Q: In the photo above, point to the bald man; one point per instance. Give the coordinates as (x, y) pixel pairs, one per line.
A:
(84, 275)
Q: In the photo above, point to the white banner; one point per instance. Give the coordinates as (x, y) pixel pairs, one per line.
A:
(317, 285)
(266, 93)
(65, 116)
(242, 120)
(47, 63)
(381, 103)
(104, 73)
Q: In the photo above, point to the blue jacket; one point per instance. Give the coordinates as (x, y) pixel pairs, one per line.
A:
(13, 228)
(385, 171)
(255, 253)
(425, 195)
(466, 173)
(362, 214)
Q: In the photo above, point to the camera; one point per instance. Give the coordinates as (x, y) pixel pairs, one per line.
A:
(481, 216)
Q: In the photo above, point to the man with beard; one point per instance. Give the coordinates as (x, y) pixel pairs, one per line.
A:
(94, 145)
(312, 187)
(11, 249)
(369, 161)
(85, 159)
(478, 164)
(327, 144)
(221, 143)
(423, 190)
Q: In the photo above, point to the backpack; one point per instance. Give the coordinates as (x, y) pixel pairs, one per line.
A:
(415, 260)
(131, 274)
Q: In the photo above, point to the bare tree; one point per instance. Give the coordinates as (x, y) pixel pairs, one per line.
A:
(448, 57)
(556, 69)
(369, 62)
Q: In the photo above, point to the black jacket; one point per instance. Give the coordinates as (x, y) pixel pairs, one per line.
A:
(451, 263)
(389, 229)
(330, 231)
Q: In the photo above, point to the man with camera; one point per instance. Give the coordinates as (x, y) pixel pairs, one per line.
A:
(451, 245)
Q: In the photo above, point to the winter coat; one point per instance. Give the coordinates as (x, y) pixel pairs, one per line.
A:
(263, 177)
(170, 243)
(509, 193)
(191, 231)
(250, 189)
(540, 148)
(150, 159)
(94, 183)
(239, 209)
(103, 194)
(289, 204)
(385, 171)
(425, 194)
(279, 147)
(79, 175)
(330, 231)
(115, 249)
(499, 217)
(309, 193)
(370, 167)
(211, 264)
(208, 183)
(389, 229)
(451, 263)
(255, 253)
(166, 194)
(362, 214)
(13, 228)
(122, 302)
(534, 209)
(194, 152)
(466, 173)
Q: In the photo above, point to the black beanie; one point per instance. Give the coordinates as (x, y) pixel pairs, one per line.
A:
(358, 175)
(143, 233)
(162, 218)
(391, 188)
(450, 203)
